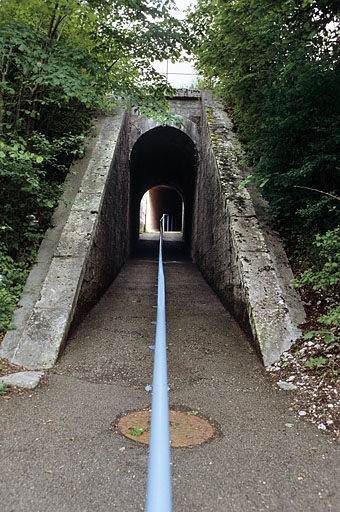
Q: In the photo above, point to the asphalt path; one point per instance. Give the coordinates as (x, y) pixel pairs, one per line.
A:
(61, 450)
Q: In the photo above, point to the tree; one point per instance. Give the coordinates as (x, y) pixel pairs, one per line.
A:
(60, 61)
(69, 55)
(275, 64)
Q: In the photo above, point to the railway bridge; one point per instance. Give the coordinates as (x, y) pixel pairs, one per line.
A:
(134, 171)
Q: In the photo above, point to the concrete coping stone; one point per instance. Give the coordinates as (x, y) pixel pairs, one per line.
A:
(27, 380)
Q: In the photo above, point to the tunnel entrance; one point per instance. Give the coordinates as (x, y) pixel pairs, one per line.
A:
(158, 201)
(163, 163)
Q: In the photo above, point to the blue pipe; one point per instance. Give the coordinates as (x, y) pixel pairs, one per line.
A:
(159, 493)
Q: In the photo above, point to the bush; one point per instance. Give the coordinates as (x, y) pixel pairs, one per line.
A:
(324, 274)
(12, 279)
(32, 174)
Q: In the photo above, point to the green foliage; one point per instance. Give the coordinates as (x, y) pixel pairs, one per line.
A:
(275, 64)
(60, 62)
(276, 67)
(12, 278)
(327, 336)
(325, 272)
(137, 431)
(332, 317)
(316, 362)
(32, 172)
(3, 389)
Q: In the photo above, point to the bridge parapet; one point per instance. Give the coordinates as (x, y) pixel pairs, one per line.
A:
(187, 94)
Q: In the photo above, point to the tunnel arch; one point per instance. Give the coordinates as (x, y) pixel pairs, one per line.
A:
(157, 201)
(163, 156)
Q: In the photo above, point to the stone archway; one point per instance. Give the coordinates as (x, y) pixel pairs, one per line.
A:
(163, 156)
(158, 201)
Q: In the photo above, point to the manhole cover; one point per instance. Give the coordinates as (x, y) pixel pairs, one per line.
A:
(186, 428)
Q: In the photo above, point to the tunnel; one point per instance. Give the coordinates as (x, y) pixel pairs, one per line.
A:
(95, 235)
(161, 201)
(163, 161)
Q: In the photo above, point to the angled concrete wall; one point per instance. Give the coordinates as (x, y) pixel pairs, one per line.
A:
(81, 256)
(242, 259)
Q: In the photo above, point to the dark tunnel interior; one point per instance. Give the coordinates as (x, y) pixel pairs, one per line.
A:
(159, 201)
(163, 160)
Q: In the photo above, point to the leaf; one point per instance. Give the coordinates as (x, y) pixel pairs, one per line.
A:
(264, 182)
(313, 361)
(137, 431)
(245, 182)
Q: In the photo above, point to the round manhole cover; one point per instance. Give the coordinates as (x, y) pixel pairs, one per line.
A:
(186, 428)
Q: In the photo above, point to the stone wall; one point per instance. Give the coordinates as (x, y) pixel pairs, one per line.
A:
(87, 252)
(240, 258)
(109, 247)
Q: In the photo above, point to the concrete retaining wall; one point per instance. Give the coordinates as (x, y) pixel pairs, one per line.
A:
(241, 259)
(88, 248)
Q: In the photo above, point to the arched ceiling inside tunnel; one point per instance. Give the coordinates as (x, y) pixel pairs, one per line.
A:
(163, 155)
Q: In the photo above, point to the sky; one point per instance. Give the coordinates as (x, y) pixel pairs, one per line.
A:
(179, 74)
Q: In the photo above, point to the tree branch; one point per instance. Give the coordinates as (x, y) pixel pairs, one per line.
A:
(317, 190)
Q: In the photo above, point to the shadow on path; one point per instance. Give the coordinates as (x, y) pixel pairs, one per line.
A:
(173, 246)
(60, 449)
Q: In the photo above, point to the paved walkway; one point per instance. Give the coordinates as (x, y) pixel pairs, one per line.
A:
(60, 451)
